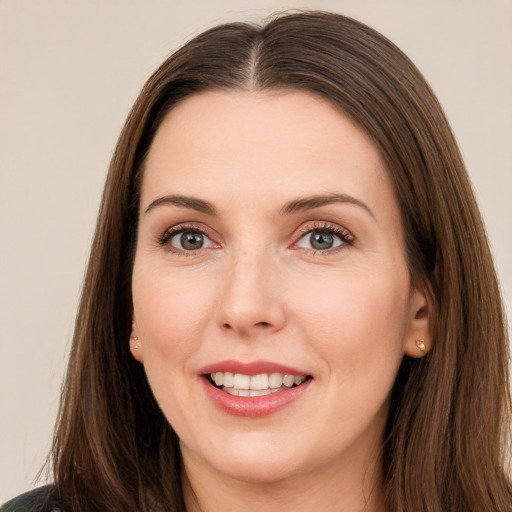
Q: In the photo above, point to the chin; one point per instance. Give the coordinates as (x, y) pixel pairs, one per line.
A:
(252, 460)
(263, 470)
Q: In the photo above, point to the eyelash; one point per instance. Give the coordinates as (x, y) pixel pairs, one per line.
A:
(344, 235)
(321, 227)
(179, 229)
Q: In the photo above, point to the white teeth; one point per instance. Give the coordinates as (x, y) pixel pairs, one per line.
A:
(288, 380)
(258, 381)
(260, 392)
(256, 385)
(229, 379)
(240, 381)
(249, 392)
(275, 380)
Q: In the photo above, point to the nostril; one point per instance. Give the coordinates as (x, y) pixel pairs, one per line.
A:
(262, 325)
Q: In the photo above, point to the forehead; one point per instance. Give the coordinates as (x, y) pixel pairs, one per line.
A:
(262, 144)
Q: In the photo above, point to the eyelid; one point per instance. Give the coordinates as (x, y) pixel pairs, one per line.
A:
(183, 227)
(346, 237)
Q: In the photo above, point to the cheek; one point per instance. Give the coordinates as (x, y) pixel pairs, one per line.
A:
(170, 312)
(357, 321)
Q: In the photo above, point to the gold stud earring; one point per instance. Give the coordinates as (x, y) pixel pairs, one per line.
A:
(421, 344)
(135, 346)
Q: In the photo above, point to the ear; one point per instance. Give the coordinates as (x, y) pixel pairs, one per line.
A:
(419, 340)
(136, 347)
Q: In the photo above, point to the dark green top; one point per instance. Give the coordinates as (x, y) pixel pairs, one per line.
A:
(31, 501)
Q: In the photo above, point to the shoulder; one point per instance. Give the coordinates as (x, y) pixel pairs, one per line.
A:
(31, 501)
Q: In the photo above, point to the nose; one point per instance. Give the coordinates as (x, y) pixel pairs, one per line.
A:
(251, 302)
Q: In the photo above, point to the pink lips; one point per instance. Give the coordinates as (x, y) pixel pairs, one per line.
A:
(254, 407)
(253, 368)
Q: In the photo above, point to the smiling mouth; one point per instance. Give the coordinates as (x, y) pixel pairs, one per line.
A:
(238, 384)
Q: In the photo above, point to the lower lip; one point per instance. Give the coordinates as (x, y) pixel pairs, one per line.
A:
(256, 406)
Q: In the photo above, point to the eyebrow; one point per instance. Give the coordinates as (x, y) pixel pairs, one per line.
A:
(192, 203)
(297, 205)
(311, 202)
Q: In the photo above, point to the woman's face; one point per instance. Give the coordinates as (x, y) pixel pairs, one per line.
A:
(270, 244)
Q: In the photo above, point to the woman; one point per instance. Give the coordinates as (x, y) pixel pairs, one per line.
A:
(289, 243)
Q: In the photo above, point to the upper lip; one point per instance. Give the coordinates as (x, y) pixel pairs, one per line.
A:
(251, 368)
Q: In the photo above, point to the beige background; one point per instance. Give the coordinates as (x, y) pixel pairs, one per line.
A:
(69, 72)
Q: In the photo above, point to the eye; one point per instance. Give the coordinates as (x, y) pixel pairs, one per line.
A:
(189, 241)
(183, 239)
(319, 241)
(324, 238)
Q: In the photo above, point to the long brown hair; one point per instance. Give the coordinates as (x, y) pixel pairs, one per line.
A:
(445, 438)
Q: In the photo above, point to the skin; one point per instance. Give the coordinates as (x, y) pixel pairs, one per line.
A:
(257, 290)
